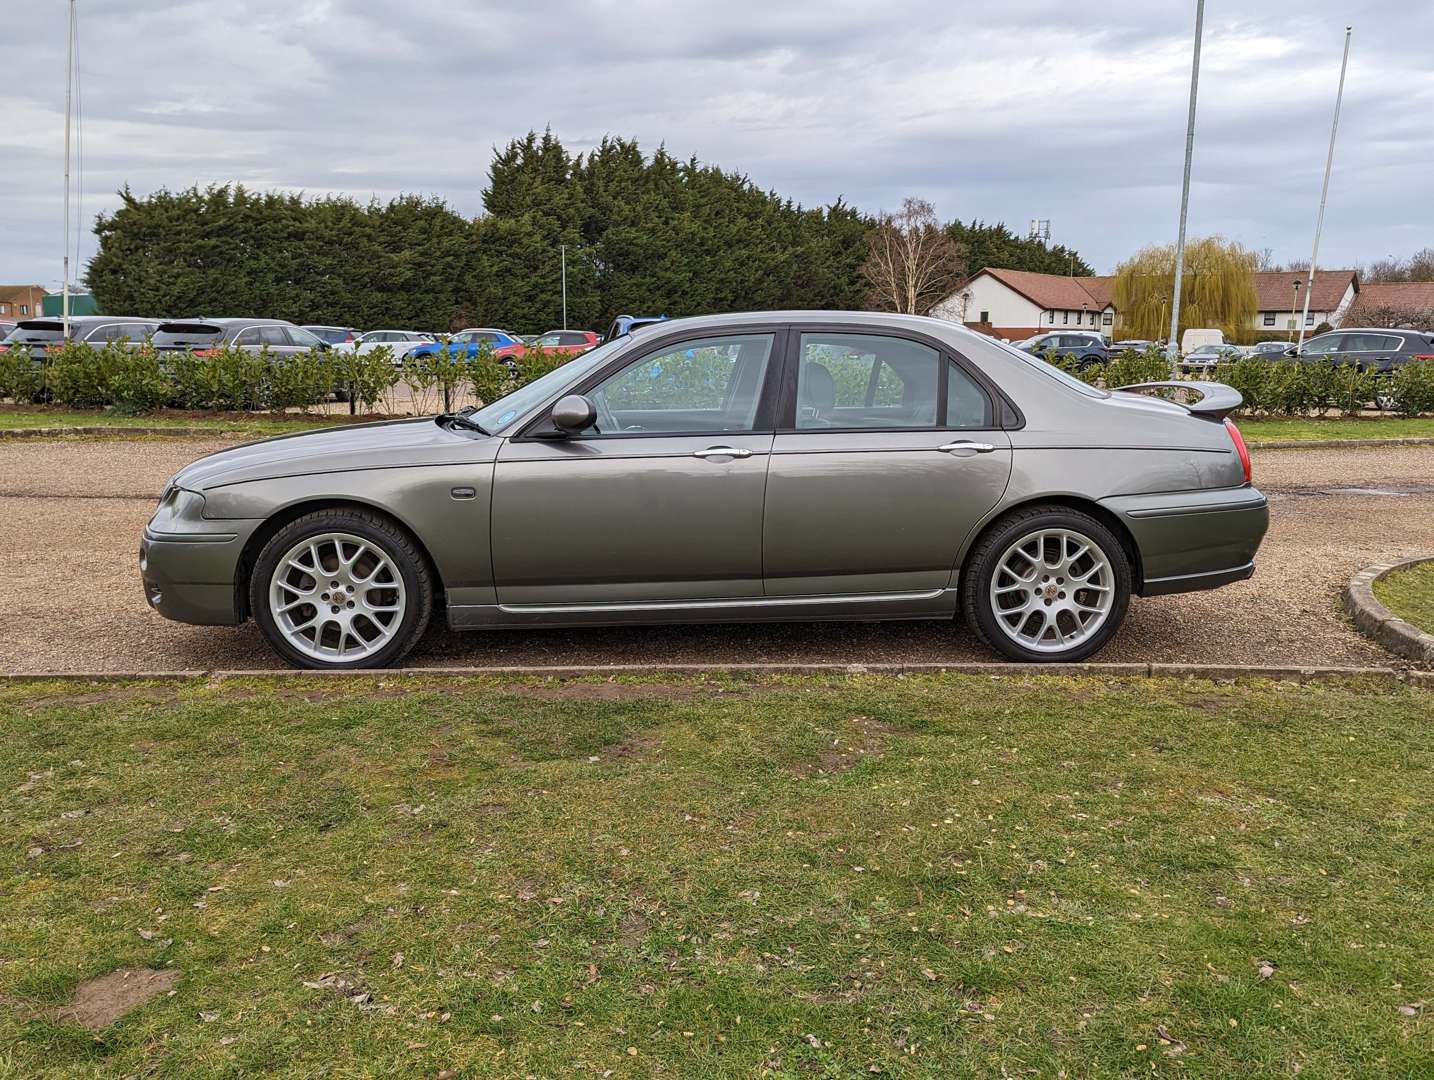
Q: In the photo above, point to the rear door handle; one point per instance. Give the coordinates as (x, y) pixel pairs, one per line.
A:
(722, 451)
(967, 444)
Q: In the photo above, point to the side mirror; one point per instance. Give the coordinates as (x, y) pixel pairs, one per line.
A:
(573, 413)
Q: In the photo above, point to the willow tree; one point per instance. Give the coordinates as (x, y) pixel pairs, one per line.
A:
(1217, 289)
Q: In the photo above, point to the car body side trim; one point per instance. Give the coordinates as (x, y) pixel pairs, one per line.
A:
(701, 605)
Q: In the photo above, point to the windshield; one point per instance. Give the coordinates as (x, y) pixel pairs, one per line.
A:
(503, 412)
(1051, 370)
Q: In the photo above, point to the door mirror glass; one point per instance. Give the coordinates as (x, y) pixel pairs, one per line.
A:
(574, 413)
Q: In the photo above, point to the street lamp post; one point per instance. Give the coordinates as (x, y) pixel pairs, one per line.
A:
(1294, 310)
(563, 254)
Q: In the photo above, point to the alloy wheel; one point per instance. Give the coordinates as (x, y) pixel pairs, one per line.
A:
(337, 597)
(1052, 590)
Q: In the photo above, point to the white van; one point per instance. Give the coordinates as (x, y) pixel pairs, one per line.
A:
(1192, 339)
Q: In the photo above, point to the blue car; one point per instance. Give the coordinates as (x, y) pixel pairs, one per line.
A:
(468, 342)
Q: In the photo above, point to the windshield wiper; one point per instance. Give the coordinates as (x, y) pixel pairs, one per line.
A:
(461, 419)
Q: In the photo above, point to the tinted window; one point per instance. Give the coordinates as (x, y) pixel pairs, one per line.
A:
(967, 404)
(36, 334)
(248, 337)
(865, 381)
(708, 384)
(278, 336)
(549, 339)
(572, 339)
(297, 335)
(180, 335)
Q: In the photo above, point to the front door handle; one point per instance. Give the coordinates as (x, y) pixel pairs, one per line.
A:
(967, 444)
(722, 451)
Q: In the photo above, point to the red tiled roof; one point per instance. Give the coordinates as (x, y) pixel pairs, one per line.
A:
(20, 294)
(1406, 294)
(1051, 291)
(1276, 292)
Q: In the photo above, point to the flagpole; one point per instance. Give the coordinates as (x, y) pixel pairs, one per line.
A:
(1324, 192)
(69, 87)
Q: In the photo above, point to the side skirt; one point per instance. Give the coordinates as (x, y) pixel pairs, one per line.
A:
(935, 604)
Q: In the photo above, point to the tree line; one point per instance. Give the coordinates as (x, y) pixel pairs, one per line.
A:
(643, 234)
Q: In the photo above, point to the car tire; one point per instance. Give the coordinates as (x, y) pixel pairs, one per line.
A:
(1001, 578)
(374, 607)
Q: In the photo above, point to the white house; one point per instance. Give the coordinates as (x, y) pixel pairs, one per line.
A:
(1281, 305)
(1016, 304)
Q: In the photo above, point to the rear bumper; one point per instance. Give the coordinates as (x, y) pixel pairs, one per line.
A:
(191, 579)
(1195, 539)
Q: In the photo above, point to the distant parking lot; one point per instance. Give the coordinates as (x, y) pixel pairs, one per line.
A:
(74, 510)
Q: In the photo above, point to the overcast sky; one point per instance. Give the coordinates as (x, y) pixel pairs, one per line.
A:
(1002, 111)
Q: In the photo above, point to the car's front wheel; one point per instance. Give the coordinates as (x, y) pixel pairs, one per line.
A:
(1046, 584)
(341, 588)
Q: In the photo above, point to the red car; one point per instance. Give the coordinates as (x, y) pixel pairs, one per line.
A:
(560, 342)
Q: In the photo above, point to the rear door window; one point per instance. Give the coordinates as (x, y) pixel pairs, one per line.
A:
(865, 382)
(274, 336)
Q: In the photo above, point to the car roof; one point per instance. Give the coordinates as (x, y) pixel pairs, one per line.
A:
(485, 330)
(55, 322)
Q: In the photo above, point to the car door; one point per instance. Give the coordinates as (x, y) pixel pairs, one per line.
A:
(887, 454)
(661, 498)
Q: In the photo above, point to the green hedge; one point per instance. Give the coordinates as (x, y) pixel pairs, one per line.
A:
(137, 380)
(1281, 387)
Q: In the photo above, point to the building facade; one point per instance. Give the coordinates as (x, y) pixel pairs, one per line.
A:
(21, 301)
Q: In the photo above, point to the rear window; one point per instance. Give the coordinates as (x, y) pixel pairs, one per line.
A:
(35, 332)
(180, 335)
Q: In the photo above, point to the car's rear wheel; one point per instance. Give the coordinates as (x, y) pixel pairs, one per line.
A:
(1046, 584)
(341, 589)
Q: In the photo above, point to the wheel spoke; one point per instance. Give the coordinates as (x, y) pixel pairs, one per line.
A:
(1035, 586)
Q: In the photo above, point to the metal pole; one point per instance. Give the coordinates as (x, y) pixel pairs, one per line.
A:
(1324, 192)
(69, 86)
(1294, 310)
(563, 249)
(1172, 348)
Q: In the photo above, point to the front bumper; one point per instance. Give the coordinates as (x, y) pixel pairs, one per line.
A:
(191, 578)
(1194, 540)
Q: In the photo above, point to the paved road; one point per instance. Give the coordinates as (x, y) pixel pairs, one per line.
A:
(73, 511)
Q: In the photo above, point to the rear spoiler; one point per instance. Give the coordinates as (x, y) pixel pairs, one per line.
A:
(1216, 400)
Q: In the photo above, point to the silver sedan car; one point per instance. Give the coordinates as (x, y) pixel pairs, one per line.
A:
(773, 466)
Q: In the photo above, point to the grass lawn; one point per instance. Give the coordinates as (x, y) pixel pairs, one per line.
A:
(1273, 431)
(1410, 595)
(926, 876)
(245, 423)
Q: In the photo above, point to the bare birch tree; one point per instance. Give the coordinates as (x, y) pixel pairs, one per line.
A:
(912, 263)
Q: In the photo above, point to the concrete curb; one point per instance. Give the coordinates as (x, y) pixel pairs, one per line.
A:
(1334, 444)
(1376, 621)
(122, 432)
(1217, 672)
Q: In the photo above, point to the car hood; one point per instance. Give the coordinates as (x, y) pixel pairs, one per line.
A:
(384, 445)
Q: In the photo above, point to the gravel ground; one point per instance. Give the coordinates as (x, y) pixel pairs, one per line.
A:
(74, 510)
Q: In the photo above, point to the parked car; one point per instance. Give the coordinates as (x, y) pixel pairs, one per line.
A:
(469, 342)
(1370, 349)
(340, 337)
(773, 466)
(1270, 350)
(95, 330)
(1209, 355)
(402, 342)
(281, 338)
(626, 324)
(559, 342)
(1134, 345)
(1086, 347)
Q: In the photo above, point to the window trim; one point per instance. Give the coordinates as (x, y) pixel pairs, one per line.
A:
(539, 428)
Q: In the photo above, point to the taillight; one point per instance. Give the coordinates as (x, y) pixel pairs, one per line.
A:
(1240, 447)
(1423, 356)
(211, 352)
